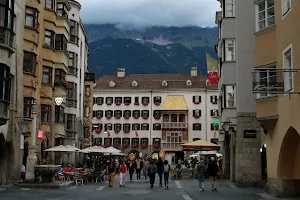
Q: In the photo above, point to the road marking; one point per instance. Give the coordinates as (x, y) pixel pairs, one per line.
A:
(178, 184)
(186, 197)
(100, 188)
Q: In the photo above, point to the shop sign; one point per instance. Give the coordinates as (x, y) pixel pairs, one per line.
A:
(214, 140)
(249, 133)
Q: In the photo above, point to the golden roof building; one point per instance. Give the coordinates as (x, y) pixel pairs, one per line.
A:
(276, 82)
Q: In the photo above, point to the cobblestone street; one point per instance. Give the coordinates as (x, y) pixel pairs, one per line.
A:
(178, 190)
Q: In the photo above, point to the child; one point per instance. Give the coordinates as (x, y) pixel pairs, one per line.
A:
(167, 169)
(201, 175)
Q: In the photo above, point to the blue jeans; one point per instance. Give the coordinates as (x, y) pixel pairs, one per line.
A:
(201, 181)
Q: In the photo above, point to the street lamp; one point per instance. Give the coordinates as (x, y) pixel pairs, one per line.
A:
(226, 125)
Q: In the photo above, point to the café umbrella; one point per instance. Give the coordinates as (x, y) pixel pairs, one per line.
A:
(112, 150)
(64, 149)
(95, 149)
(200, 145)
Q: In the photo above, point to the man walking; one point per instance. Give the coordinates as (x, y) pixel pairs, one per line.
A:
(151, 173)
(167, 170)
(139, 167)
(213, 170)
(160, 170)
(111, 170)
(123, 169)
(145, 169)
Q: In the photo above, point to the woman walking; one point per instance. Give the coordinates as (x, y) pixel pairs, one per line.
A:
(131, 169)
(201, 175)
(167, 170)
(123, 170)
(213, 170)
(145, 169)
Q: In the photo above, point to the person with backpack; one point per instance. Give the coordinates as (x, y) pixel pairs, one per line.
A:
(151, 172)
(213, 170)
(167, 170)
(123, 170)
(111, 171)
(160, 170)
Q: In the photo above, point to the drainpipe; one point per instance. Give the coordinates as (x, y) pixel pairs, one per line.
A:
(151, 116)
(206, 114)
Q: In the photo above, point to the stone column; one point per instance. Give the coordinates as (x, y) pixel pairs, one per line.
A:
(32, 158)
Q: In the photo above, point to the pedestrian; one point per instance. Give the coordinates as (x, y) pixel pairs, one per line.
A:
(160, 170)
(151, 172)
(213, 170)
(145, 169)
(117, 164)
(167, 170)
(123, 170)
(201, 175)
(131, 169)
(111, 170)
(139, 167)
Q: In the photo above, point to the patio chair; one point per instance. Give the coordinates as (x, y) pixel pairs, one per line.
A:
(79, 178)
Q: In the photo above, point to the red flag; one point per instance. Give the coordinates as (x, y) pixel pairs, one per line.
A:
(136, 134)
(108, 134)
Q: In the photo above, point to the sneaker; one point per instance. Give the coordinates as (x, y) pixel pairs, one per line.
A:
(123, 185)
(167, 187)
(215, 189)
(120, 185)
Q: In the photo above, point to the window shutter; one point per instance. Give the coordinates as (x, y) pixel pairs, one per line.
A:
(212, 127)
(200, 127)
(139, 113)
(194, 99)
(211, 99)
(147, 126)
(94, 100)
(94, 113)
(136, 99)
(200, 114)
(129, 113)
(129, 99)
(211, 113)
(194, 113)
(199, 99)
(128, 126)
(159, 100)
(147, 113)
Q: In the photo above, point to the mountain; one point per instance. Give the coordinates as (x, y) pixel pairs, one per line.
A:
(149, 51)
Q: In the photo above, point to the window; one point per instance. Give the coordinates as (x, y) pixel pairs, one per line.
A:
(145, 100)
(135, 141)
(73, 32)
(73, 57)
(59, 114)
(156, 114)
(108, 113)
(126, 126)
(136, 127)
(109, 100)
(126, 141)
(99, 100)
(32, 17)
(61, 42)
(117, 141)
(70, 122)
(127, 100)
(108, 127)
(117, 126)
(197, 127)
(286, 7)
(214, 113)
(127, 113)
(157, 100)
(72, 91)
(229, 93)
(4, 83)
(47, 75)
(213, 99)
(214, 127)
(145, 127)
(229, 51)
(197, 113)
(156, 127)
(97, 113)
(267, 78)
(265, 14)
(60, 76)
(136, 100)
(288, 65)
(29, 62)
(229, 8)
(136, 113)
(118, 100)
(27, 107)
(62, 10)
(45, 113)
(196, 99)
(7, 14)
(118, 113)
(49, 38)
(50, 4)
(144, 141)
(145, 113)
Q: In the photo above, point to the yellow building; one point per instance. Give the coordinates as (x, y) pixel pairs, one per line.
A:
(277, 52)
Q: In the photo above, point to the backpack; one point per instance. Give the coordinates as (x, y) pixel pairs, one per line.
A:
(123, 168)
(152, 169)
(166, 168)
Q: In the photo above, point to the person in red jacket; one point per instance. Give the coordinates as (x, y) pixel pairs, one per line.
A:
(123, 170)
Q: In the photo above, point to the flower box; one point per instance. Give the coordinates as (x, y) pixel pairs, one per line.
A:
(117, 131)
(214, 103)
(156, 146)
(136, 117)
(108, 117)
(156, 116)
(145, 103)
(126, 131)
(108, 104)
(118, 104)
(98, 131)
(126, 117)
(145, 117)
(135, 145)
(157, 103)
(136, 104)
(126, 104)
(125, 146)
(118, 117)
(107, 145)
(196, 102)
(197, 116)
(144, 146)
(99, 117)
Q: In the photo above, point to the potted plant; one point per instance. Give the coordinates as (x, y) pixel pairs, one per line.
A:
(156, 146)
(108, 116)
(117, 116)
(126, 117)
(99, 117)
(145, 103)
(196, 102)
(157, 103)
(137, 103)
(144, 146)
(145, 117)
(118, 103)
(98, 130)
(117, 130)
(65, 84)
(135, 116)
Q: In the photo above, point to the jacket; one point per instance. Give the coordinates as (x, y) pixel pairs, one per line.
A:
(201, 170)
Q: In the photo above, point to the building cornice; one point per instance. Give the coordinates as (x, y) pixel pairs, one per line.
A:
(154, 91)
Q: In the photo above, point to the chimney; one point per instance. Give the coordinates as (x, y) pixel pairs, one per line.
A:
(194, 71)
(121, 72)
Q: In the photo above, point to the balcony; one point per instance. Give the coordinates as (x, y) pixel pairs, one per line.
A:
(4, 109)
(6, 37)
(172, 146)
(174, 125)
(90, 77)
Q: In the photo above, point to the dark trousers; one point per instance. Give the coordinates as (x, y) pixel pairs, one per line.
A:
(138, 174)
(130, 175)
(152, 179)
(160, 178)
(166, 178)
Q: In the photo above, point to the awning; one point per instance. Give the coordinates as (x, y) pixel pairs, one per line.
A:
(174, 102)
(200, 145)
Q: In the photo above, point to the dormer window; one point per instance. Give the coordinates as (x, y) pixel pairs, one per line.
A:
(164, 83)
(112, 84)
(134, 84)
(188, 83)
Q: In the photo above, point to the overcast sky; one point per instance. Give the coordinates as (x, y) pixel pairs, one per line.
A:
(143, 13)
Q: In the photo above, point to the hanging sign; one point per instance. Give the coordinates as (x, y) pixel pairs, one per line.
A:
(40, 134)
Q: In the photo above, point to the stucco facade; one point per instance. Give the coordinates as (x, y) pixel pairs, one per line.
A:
(277, 46)
(237, 106)
(11, 98)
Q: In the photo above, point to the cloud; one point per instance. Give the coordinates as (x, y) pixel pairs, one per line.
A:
(145, 13)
